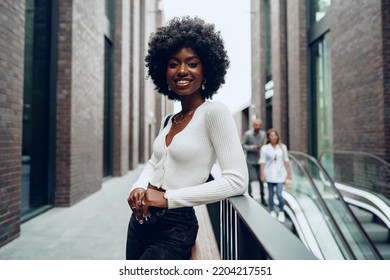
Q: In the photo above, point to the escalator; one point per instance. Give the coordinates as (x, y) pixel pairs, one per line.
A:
(321, 218)
(376, 229)
(363, 180)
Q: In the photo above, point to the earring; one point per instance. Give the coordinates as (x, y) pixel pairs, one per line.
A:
(203, 85)
(169, 88)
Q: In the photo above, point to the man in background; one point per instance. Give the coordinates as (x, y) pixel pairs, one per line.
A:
(252, 141)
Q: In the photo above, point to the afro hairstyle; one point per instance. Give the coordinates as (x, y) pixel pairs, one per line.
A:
(196, 34)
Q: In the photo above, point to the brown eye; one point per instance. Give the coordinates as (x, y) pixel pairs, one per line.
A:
(172, 65)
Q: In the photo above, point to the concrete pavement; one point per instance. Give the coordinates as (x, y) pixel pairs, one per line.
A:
(93, 229)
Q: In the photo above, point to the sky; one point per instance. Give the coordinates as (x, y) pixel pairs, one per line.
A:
(232, 19)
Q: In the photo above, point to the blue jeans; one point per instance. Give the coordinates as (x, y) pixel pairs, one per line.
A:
(279, 189)
(168, 235)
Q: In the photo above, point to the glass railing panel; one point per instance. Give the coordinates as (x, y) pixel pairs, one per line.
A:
(360, 170)
(341, 214)
(329, 243)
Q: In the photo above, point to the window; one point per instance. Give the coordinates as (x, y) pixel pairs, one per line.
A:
(320, 9)
(320, 81)
(321, 72)
(108, 89)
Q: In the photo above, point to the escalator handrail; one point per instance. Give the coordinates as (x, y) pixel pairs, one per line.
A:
(346, 207)
(378, 161)
(323, 204)
(342, 152)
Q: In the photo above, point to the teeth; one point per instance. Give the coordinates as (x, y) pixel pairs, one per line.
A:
(183, 82)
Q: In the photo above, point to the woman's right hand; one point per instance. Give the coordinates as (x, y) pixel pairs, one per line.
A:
(135, 202)
(262, 178)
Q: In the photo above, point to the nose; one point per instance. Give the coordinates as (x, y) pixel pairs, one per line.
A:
(183, 70)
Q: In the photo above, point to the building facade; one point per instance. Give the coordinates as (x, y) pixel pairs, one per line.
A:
(321, 73)
(75, 104)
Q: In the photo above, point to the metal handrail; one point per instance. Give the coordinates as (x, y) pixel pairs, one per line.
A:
(366, 154)
(334, 189)
(247, 232)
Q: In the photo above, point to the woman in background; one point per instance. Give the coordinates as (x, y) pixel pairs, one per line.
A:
(274, 169)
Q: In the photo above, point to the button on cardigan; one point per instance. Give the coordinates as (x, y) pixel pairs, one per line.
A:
(183, 167)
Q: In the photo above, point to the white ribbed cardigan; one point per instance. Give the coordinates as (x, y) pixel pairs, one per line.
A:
(183, 167)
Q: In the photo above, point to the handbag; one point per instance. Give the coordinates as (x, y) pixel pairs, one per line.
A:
(288, 184)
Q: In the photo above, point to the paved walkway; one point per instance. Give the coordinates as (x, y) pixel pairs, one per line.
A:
(93, 229)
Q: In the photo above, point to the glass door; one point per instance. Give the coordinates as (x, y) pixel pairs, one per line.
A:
(37, 144)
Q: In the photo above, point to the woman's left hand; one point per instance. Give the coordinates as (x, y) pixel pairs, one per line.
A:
(154, 198)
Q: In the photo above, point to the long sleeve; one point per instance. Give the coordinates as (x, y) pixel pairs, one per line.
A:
(148, 171)
(146, 174)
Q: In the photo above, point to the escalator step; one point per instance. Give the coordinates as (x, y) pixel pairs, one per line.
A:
(376, 232)
(384, 250)
(362, 215)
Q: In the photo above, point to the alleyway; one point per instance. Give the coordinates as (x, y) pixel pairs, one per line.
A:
(93, 229)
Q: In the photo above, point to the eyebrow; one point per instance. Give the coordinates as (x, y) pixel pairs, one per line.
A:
(188, 58)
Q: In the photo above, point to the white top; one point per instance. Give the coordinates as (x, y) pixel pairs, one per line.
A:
(273, 160)
(183, 167)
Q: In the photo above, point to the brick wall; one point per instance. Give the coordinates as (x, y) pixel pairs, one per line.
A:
(147, 105)
(386, 73)
(135, 83)
(297, 75)
(11, 102)
(121, 88)
(257, 59)
(87, 98)
(360, 73)
(278, 50)
(63, 121)
(80, 100)
(357, 76)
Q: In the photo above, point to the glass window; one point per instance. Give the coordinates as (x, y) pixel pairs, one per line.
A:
(320, 9)
(108, 108)
(109, 10)
(323, 94)
(269, 84)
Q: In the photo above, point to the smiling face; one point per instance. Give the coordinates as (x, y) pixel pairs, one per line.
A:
(273, 138)
(185, 72)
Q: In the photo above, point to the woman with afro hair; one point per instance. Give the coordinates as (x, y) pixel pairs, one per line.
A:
(187, 62)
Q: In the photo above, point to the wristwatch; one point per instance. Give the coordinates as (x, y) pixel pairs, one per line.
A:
(165, 196)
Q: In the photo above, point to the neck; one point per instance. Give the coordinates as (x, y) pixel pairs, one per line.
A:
(190, 104)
